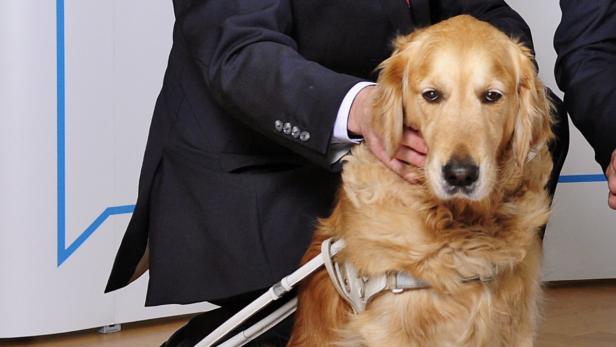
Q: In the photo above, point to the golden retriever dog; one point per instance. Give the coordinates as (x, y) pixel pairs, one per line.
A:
(475, 210)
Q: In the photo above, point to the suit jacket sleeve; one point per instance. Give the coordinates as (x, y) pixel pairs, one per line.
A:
(251, 65)
(586, 70)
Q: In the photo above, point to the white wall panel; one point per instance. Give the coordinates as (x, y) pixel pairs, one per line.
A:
(581, 236)
(115, 53)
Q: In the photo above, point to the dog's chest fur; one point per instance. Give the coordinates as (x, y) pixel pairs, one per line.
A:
(390, 225)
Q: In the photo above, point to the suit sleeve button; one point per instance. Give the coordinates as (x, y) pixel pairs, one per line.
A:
(295, 132)
(304, 136)
(286, 128)
(278, 125)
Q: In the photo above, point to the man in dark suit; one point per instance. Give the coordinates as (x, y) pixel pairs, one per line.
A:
(245, 141)
(586, 71)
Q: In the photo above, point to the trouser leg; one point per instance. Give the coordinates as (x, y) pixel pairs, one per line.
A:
(202, 324)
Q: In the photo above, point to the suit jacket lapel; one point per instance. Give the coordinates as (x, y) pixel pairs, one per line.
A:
(399, 15)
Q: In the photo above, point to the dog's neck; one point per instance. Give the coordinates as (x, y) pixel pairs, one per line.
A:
(403, 224)
(367, 180)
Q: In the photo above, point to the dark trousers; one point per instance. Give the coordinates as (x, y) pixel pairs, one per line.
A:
(202, 324)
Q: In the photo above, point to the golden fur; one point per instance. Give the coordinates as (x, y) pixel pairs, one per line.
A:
(392, 225)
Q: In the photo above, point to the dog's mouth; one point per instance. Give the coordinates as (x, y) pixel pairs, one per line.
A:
(470, 192)
(465, 191)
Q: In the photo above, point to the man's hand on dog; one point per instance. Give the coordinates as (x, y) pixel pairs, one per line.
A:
(611, 181)
(412, 150)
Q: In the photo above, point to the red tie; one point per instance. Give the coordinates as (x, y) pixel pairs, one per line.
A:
(408, 3)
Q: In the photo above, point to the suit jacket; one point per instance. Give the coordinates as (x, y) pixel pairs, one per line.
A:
(586, 70)
(229, 193)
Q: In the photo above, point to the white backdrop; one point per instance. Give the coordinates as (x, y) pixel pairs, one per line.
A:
(115, 56)
(69, 174)
(581, 237)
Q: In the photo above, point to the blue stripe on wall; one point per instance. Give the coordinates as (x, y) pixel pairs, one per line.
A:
(60, 128)
(63, 252)
(581, 178)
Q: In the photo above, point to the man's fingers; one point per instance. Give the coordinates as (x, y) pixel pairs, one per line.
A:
(410, 156)
(611, 174)
(377, 148)
(396, 165)
(611, 201)
(412, 138)
(402, 169)
(611, 181)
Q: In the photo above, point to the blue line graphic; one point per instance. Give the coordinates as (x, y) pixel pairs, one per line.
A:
(581, 178)
(60, 126)
(63, 252)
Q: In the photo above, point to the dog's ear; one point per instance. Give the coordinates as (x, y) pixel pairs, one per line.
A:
(388, 108)
(533, 125)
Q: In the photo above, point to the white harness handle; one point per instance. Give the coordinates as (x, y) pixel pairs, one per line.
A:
(357, 290)
(274, 293)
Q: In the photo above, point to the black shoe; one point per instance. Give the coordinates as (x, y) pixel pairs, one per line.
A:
(198, 328)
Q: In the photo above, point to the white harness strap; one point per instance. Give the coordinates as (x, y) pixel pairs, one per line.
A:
(533, 152)
(358, 290)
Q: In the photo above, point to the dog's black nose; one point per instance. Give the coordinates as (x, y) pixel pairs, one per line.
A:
(460, 172)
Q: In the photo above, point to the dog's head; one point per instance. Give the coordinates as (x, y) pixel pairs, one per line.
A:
(475, 97)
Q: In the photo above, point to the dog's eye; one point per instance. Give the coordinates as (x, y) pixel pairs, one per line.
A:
(491, 96)
(432, 96)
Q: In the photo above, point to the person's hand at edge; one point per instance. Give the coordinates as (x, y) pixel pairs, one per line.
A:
(611, 181)
(412, 150)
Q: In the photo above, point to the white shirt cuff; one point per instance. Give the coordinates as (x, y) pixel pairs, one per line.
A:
(341, 132)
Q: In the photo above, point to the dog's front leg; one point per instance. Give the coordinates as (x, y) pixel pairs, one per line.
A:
(320, 315)
(321, 312)
(529, 311)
